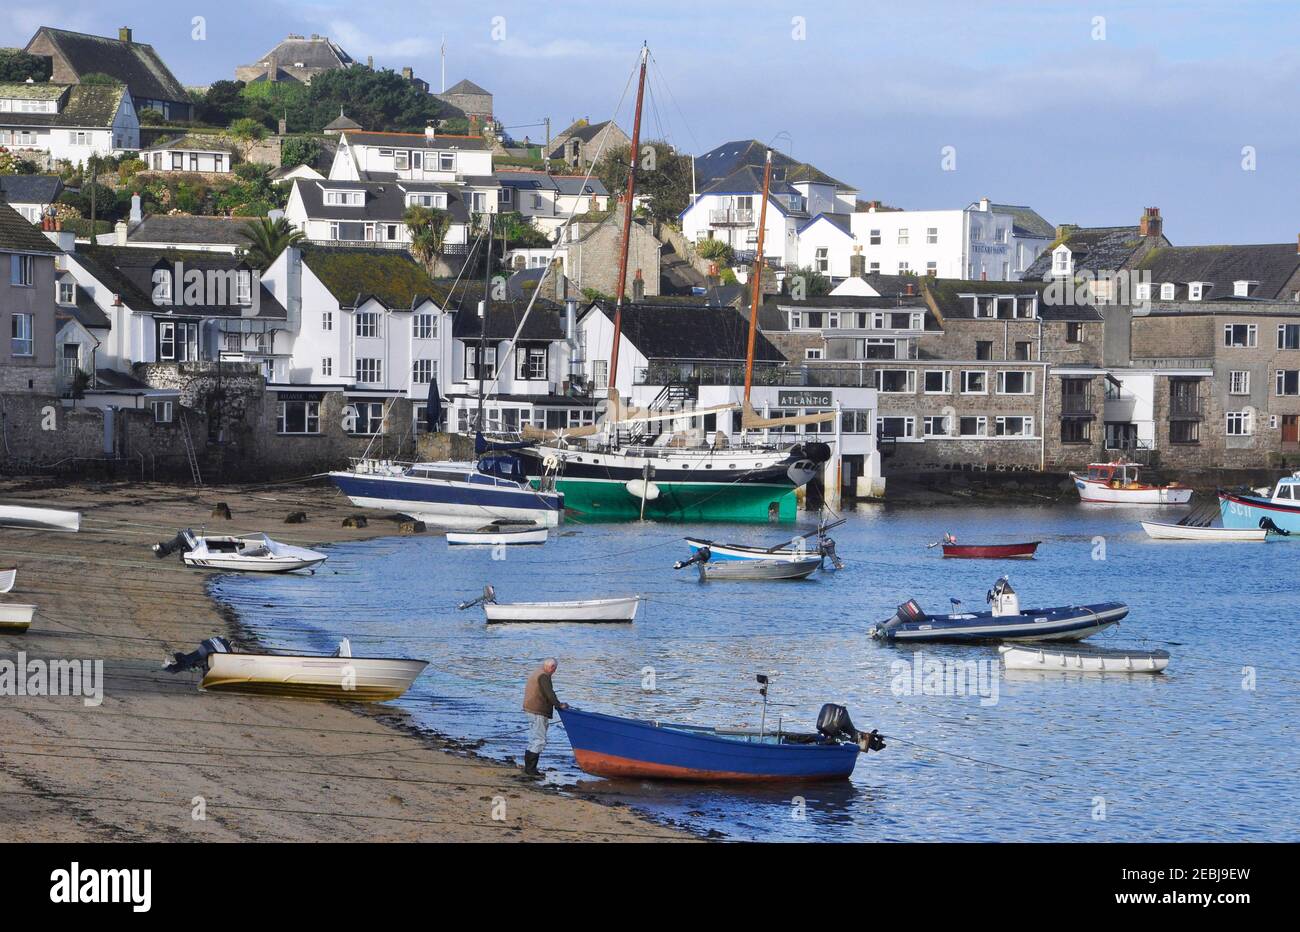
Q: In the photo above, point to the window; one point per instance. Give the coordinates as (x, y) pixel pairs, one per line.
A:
(904, 267)
(244, 287)
(327, 365)
(874, 268)
(1061, 261)
(932, 269)
(1076, 430)
(178, 161)
(855, 422)
(874, 238)
(600, 373)
(938, 382)
(327, 320)
(426, 326)
(507, 197)
(178, 341)
(67, 292)
(1239, 382)
(1241, 289)
(489, 363)
(972, 426)
(447, 161)
(903, 237)
(345, 198)
(983, 349)
(426, 200)
(22, 271)
(21, 343)
(1074, 332)
(1288, 336)
(532, 362)
(973, 382)
(162, 411)
(1024, 350)
(823, 263)
(1142, 291)
(1197, 290)
(369, 370)
(1184, 431)
(298, 417)
(1014, 426)
(936, 425)
(931, 235)
(895, 427)
(812, 352)
(896, 381)
(367, 325)
(480, 202)
(1240, 424)
(1015, 383)
(369, 417)
(1287, 382)
(401, 159)
(422, 371)
(1239, 335)
(1167, 291)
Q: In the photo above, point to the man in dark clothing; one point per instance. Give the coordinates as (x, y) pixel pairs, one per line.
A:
(540, 703)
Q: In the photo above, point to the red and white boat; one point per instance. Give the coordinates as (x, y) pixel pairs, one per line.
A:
(1119, 484)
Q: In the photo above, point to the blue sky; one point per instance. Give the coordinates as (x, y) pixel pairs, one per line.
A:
(1040, 112)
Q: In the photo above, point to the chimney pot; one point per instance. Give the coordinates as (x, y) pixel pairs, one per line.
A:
(1151, 224)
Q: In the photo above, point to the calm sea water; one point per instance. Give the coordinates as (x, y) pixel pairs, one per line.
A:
(1189, 755)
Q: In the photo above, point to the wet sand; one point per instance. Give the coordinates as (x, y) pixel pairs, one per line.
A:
(157, 750)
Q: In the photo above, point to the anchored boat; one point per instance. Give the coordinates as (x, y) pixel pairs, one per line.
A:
(1006, 621)
(720, 552)
(1022, 551)
(800, 568)
(498, 534)
(1279, 512)
(621, 609)
(1119, 484)
(1084, 659)
(251, 553)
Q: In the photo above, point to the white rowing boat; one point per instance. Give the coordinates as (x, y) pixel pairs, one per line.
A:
(1159, 531)
(250, 553)
(1084, 660)
(498, 535)
(345, 679)
(8, 576)
(586, 611)
(15, 617)
(800, 568)
(46, 518)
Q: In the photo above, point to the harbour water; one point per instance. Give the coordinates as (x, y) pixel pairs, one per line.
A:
(1207, 751)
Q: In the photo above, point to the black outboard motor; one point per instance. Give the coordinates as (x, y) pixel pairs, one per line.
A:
(833, 722)
(198, 659)
(181, 542)
(703, 555)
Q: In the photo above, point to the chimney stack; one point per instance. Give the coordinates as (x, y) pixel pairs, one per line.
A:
(638, 288)
(714, 278)
(1151, 224)
(857, 263)
(136, 216)
(370, 62)
(283, 126)
(119, 229)
(984, 275)
(407, 73)
(909, 290)
(430, 130)
(124, 34)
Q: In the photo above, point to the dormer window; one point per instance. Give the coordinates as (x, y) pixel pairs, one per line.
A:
(1197, 291)
(1062, 260)
(426, 200)
(345, 198)
(162, 286)
(67, 292)
(1167, 291)
(1242, 289)
(447, 161)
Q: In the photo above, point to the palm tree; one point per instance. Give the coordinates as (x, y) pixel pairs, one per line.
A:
(428, 227)
(268, 238)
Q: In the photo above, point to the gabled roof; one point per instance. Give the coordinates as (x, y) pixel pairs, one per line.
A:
(88, 105)
(697, 331)
(544, 324)
(1025, 221)
(466, 86)
(135, 64)
(1272, 266)
(354, 274)
(384, 200)
(316, 52)
(18, 234)
(746, 180)
(181, 228)
(85, 311)
(341, 122)
(417, 140)
(725, 159)
(839, 221)
(1093, 249)
(30, 189)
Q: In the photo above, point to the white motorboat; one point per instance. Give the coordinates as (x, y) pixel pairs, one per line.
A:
(8, 576)
(796, 568)
(15, 617)
(621, 609)
(51, 519)
(498, 534)
(1084, 660)
(1119, 484)
(252, 553)
(1158, 531)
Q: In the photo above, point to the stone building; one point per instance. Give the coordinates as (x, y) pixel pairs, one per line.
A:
(296, 58)
(584, 144)
(27, 305)
(592, 254)
(469, 100)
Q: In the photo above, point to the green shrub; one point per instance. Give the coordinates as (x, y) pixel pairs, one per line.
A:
(715, 249)
(247, 128)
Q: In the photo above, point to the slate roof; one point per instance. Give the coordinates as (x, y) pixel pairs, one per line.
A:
(30, 189)
(354, 274)
(723, 160)
(949, 303)
(135, 64)
(839, 221)
(180, 228)
(384, 200)
(1025, 221)
(85, 311)
(690, 332)
(1271, 265)
(544, 324)
(417, 140)
(318, 52)
(18, 234)
(466, 86)
(526, 180)
(342, 122)
(1094, 249)
(128, 271)
(89, 105)
(573, 184)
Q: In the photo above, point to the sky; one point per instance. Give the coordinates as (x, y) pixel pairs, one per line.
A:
(1086, 111)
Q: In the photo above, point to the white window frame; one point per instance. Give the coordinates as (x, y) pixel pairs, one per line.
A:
(947, 381)
(1239, 382)
(1239, 423)
(369, 370)
(1026, 425)
(1002, 381)
(425, 326)
(965, 382)
(1252, 336)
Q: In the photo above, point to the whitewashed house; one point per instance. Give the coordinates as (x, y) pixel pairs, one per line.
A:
(70, 122)
(30, 195)
(190, 153)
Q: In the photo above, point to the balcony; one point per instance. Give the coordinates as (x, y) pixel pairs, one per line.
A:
(725, 372)
(1076, 405)
(1190, 407)
(731, 218)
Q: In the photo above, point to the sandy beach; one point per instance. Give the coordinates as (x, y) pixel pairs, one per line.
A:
(157, 751)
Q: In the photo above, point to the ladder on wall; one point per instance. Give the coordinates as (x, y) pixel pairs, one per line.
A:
(188, 440)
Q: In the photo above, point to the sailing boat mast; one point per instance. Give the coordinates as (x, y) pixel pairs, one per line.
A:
(756, 293)
(627, 223)
(483, 320)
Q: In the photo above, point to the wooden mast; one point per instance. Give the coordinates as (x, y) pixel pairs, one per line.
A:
(627, 225)
(756, 293)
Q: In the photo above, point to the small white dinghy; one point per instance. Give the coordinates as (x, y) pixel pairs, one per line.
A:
(15, 618)
(252, 553)
(8, 576)
(50, 519)
(498, 534)
(760, 569)
(341, 678)
(620, 610)
(1083, 660)
(1158, 531)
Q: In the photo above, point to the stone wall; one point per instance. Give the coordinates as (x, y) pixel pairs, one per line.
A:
(593, 260)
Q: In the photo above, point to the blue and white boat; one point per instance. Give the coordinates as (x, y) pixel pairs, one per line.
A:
(1278, 513)
(450, 494)
(1005, 622)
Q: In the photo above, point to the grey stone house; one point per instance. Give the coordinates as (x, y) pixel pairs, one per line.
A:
(296, 58)
(584, 144)
(469, 99)
(27, 307)
(592, 253)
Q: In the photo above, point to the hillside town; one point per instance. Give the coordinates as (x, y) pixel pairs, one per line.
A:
(973, 337)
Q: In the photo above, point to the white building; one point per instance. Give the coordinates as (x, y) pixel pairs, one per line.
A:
(427, 156)
(189, 154)
(70, 122)
(30, 195)
(549, 200)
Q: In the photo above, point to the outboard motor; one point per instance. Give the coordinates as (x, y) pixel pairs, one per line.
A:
(908, 611)
(489, 595)
(703, 555)
(833, 722)
(198, 659)
(181, 542)
(1003, 598)
(1267, 524)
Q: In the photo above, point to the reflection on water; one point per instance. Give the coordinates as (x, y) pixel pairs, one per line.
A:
(1185, 755)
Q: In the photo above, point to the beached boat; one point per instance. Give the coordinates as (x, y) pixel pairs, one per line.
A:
(1084, 659)
(8, 576)
(627, 748)
(1006, 621)
(1119, 484)
(341, 677)
(1022, 551)
(798, 568)
(445, 494)
(1279, 512)
(1159, 531)
(47, 518)
(498, 534)
(251, 553)
(15, 618)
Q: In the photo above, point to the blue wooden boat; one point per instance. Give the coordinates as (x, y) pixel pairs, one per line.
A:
(1005, 622)
(612, 746)
(1279, 514)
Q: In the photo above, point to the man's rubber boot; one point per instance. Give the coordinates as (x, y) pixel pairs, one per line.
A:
(530, 764)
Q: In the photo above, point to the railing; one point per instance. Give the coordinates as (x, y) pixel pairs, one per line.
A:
(1076, 404)
(1172, 362)
(365, 243)
(780, 375)
(1192, 407)
(742, 218)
